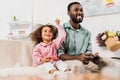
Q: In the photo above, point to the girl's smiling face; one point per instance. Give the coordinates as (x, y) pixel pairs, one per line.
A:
(47, 34)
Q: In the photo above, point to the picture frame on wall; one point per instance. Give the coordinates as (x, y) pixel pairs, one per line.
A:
(100, 7)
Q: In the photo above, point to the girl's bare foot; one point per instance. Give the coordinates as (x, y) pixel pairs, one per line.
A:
(52, 71)
(67, 70)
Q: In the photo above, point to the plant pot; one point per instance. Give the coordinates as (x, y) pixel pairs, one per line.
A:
(112, 43)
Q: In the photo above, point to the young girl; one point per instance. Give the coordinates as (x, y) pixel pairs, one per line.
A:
(45, 51)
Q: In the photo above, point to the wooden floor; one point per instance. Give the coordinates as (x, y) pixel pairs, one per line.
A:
(57, 77)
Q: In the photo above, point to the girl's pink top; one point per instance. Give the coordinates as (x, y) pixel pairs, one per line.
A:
(42, 50)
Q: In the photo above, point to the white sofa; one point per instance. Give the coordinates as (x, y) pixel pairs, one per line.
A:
(16, 58)
(15, 52)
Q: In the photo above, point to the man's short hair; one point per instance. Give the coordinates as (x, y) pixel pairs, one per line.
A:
(69, 6)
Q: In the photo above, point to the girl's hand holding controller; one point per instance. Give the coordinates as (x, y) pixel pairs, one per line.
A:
(54, 57)
(45, 59)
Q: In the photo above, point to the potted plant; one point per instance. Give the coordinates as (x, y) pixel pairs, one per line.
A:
(109, 39)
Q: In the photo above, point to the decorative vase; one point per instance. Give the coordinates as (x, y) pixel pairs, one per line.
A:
(112, 43)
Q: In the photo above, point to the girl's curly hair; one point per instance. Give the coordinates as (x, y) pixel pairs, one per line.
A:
(36, 34)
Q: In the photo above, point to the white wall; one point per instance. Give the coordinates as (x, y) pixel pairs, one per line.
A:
(47, 11)
(4, 17)
(22, 9)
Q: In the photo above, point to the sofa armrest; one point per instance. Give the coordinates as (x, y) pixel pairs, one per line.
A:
(15, 52)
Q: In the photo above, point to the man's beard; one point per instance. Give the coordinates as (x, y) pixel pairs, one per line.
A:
(75, 20)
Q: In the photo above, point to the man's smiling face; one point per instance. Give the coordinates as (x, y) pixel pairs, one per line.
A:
(76, 13)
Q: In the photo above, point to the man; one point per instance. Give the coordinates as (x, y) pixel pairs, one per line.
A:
(76, 49)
